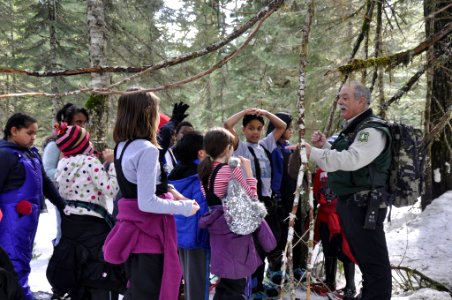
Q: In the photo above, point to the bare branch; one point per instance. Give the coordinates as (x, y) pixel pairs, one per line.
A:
(107, 91)
(431, 63)
(365, 27)
(271, 7)
(364, 30)
(438, 11)
(395, 59)
(423, 280)
(443, 122)
(405, 88)
(303, 172)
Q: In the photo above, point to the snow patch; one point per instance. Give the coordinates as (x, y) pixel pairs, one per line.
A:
(437, 175)
(416, 239)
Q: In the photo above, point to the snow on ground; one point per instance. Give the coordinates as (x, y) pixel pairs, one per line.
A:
(421, 241)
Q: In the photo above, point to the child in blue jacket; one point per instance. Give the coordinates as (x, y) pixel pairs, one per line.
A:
(193, 242)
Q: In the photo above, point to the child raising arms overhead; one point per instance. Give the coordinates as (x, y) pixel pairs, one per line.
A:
(234, 257)
(144, 236)
(258, 151)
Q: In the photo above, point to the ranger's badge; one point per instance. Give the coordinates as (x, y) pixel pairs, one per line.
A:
(363, 137)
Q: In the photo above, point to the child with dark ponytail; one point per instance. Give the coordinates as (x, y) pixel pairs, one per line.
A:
(233, 257)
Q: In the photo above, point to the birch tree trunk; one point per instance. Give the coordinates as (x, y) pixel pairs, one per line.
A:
(97, 104)
(304, 173)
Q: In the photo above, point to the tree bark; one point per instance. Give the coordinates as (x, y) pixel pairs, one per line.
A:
(379, 52)
(53, 42)
(440, 176)
(98, 105)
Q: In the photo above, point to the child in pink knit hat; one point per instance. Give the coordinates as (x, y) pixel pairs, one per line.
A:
(87, 185)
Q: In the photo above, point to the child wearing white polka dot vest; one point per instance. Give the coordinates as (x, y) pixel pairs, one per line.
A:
(80, 174)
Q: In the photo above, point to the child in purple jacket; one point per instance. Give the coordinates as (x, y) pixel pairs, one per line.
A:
(233, 257)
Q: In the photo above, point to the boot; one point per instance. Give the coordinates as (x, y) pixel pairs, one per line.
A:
(330, 272)
(350, 289)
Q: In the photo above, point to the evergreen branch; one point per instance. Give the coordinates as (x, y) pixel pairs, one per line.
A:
(405, 88)
(270, 8)
(159, 88)
(364, 31)
(395, 59)
(216, 66)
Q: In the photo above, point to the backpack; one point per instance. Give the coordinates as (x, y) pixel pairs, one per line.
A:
(407, 170)
(243, 215)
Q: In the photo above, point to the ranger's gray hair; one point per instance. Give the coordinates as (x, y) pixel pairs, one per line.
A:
(360, 91)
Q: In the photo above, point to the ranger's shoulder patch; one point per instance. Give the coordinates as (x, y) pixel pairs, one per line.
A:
(363, 137)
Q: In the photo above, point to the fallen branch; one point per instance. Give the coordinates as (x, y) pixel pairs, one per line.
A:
(414, 279)
(395, 59)
(271, 7)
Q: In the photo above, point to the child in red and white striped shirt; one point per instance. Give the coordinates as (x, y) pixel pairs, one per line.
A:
(233, 257)
(218, 145)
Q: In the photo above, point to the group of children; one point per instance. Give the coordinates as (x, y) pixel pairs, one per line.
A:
(170, 221)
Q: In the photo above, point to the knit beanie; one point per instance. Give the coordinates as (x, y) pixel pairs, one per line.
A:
(287, 118)
(73, 140)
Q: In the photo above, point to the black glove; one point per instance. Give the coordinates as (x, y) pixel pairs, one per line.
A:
(179, 110)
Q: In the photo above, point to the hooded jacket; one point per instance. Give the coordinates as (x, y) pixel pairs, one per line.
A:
(185, 179)
(234, 256)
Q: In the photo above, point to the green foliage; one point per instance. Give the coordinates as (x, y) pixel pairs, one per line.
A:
(95, 101)
(265, 74)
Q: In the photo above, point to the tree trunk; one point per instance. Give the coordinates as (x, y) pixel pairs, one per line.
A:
(57, 102)
(304, 173)
(378, 53)
(98, 105)
(439, 177)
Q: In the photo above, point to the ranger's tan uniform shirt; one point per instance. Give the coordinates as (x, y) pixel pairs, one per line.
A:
(368, 144)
